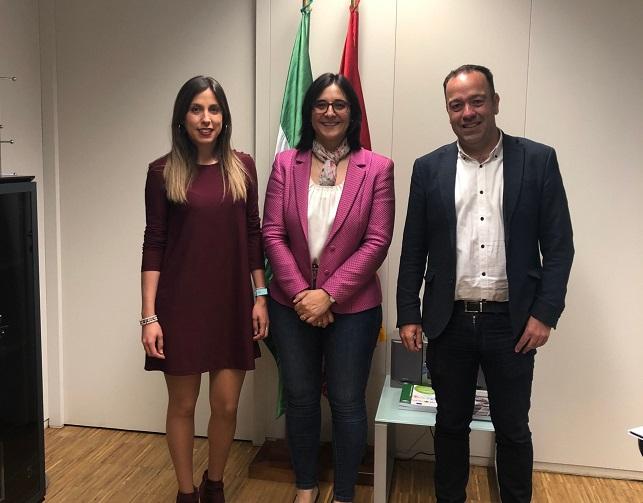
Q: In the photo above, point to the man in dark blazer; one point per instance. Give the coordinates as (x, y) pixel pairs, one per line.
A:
(488, 229)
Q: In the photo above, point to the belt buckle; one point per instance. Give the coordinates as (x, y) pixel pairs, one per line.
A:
(476, 306)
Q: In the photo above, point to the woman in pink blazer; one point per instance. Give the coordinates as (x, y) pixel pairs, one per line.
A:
(328, 223)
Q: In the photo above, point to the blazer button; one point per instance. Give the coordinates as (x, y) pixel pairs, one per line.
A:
(326, 272)
(332, 248)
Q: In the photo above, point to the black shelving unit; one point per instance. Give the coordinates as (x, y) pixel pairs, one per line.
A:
(22, 453)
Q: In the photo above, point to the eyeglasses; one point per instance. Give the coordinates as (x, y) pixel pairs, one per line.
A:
(339, 106)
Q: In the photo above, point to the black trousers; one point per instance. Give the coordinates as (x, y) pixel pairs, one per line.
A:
(471, 340)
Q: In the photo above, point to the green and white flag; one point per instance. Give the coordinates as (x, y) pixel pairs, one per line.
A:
(299, 79)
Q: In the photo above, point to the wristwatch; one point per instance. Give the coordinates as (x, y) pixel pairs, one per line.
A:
(261, 292)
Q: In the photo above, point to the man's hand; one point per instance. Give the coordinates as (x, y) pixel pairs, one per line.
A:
(536, 334)
(411, 336)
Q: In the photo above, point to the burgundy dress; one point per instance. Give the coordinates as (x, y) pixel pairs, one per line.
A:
(205, 250)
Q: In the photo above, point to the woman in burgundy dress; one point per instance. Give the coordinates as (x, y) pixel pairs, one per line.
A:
(202, 247)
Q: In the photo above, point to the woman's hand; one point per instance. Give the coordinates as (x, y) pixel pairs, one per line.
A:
(322, 321)
(310, 305)
(152, 339)
(260, 320)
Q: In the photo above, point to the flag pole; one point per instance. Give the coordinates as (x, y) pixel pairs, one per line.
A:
(298, 80)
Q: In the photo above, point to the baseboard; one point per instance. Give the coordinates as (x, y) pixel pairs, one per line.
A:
(588, 471)
(57, 427)
(585, 471)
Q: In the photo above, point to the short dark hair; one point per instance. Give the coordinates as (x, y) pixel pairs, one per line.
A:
(468, 69)
(313, 93)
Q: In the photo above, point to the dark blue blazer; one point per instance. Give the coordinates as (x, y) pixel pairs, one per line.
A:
(538, 237)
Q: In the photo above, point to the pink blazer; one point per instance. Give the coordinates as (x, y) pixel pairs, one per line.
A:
(358, 240)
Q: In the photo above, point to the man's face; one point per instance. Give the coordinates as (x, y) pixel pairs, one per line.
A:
(472, 112)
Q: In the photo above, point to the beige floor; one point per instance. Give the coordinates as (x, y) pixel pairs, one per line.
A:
(98, 465)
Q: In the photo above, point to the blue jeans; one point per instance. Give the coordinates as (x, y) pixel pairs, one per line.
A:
(344, 351)
(469, 341)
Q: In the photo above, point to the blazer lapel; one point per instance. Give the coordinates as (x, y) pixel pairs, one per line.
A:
(301, 177)
(354, 177)
(446, 177)
(512, 172)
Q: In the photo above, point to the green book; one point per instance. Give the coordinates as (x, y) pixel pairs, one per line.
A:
(417, 397)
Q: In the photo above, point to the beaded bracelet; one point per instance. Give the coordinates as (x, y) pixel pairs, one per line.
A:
(148, 320)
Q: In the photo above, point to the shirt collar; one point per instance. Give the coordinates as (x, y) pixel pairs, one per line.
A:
(495, 153)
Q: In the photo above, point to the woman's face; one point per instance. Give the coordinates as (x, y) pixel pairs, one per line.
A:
(331, 117)
(204, 120)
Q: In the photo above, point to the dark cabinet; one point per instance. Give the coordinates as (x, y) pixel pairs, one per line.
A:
(22, 467)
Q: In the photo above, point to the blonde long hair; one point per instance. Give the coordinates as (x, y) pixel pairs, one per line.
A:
(181, 164)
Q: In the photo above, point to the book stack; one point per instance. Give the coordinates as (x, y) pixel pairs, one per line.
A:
(417, 397)
(420, 397)
(481, 406)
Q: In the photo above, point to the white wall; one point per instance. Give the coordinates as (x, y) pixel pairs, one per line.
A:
(20, 113)
(584, 97)
(568, 75)
(118, 67)
(428, 47)
(277, 24)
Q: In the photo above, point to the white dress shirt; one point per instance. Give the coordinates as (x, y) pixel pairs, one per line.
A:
(481, 267)
(323, 201)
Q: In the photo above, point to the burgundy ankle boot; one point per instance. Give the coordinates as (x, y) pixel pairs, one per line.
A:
(192, 497)
(211, 491)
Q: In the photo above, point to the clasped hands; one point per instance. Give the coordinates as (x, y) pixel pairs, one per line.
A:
(313, 307)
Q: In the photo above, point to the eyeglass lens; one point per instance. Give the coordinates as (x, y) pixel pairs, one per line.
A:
(338, 105)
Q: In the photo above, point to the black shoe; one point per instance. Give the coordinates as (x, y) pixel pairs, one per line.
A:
(192, 497)
(211, 491)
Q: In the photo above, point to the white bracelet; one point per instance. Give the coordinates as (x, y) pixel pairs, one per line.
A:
(148, 320)
(261, 292)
